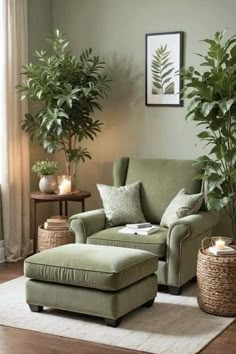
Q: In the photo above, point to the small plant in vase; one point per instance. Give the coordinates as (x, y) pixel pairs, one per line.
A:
(46, 171)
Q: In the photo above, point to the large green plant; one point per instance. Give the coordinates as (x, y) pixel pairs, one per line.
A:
(212, 97)
(65, 91)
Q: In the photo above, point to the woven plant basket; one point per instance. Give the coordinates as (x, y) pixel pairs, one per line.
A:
(53, 238)
(216, 282)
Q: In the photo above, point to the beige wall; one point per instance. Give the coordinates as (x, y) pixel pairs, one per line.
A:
(115, 29)
(1, 221)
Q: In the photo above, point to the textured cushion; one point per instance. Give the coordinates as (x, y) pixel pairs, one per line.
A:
(155, 243)
(121, 205)
(182, 205)
(99, 267)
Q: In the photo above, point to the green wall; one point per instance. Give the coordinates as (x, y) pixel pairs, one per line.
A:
(39, 26)
(116, 29)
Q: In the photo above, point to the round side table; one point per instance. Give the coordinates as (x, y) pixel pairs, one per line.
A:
(39, 197)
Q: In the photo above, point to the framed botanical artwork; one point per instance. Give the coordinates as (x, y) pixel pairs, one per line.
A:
(164, 59)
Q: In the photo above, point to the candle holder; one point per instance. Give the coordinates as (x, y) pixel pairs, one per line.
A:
(220, 242)
(64, 184)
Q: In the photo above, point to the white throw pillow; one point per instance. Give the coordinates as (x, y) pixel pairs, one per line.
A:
(182, 205)
(121, 204)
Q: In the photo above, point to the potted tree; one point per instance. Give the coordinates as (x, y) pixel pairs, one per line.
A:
(65, 91)
(213, 107)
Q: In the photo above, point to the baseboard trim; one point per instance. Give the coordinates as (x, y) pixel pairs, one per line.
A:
(2, 252)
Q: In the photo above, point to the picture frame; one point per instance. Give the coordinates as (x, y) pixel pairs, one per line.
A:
(164, 59)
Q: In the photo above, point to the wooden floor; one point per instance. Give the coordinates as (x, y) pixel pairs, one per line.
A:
(18, 341)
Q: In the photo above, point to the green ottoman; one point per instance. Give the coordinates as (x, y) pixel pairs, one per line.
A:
(97, 280)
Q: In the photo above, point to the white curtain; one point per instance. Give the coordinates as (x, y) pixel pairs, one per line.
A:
(14, 147)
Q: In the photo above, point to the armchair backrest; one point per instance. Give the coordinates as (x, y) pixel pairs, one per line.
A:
(161, 180)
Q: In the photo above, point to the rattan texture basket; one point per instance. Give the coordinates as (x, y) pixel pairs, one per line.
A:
(53, 238)
(216, 282)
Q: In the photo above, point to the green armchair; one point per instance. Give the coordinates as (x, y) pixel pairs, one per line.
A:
(177, 247)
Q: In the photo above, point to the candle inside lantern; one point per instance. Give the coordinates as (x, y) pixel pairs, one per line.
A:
(220, 244)
(64, 184)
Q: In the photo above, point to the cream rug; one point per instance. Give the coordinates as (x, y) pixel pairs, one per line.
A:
(174, 325)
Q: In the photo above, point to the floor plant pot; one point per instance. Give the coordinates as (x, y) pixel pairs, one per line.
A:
(48, 184)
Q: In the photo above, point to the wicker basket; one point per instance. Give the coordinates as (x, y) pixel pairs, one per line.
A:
(53, 238)
(216, 282)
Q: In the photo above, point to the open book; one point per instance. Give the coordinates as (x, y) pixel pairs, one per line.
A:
(139, 231)
(139, 226)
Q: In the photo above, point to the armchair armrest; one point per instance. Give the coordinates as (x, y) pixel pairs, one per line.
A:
(86, 224)
(195, 224)
(183, 242)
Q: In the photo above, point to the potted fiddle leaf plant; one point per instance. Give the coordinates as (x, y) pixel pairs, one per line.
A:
(46, 172)
(65, 91)
(213, 107)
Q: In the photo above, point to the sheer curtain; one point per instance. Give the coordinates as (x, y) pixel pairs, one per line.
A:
(14, 147)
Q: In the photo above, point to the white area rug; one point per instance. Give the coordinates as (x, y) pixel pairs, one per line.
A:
(173, 325)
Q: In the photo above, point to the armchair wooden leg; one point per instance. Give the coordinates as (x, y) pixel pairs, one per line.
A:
(149, 303)
(112, 323)
(174, 290)
(194, 279)
(35, 308)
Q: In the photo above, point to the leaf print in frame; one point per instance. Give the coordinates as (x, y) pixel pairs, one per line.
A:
(164, 59)
(162, 72)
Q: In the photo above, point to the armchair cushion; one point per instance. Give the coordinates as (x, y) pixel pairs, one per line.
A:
(121, 204)
(155, 243)
(182, 205)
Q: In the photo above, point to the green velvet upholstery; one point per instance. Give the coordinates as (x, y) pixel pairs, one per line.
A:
(95, 280)
(90, 223)
(94, 302)
(161, 181)
(177, 246)
(91, 266)
(155, 243)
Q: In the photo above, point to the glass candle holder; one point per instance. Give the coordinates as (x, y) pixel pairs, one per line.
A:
(221, 242)
(64, 184)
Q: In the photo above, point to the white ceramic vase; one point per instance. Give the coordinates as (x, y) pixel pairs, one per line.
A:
(48, 184)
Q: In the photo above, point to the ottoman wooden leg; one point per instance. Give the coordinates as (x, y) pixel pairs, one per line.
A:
(35, 308)
(112, 323)
(174, 290)
(149, 303)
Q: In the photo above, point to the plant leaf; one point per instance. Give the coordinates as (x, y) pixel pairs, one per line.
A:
(162, 69)
(226, 105)
(207, 108)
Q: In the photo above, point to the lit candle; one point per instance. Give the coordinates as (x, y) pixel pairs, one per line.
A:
(220, 244)
(65, 187)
